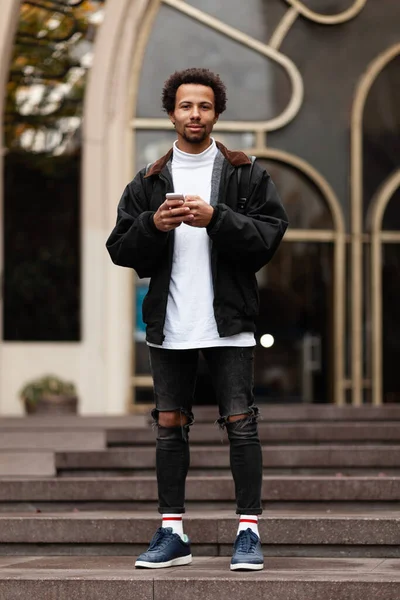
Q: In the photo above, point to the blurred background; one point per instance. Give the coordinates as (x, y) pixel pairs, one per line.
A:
(313, 92)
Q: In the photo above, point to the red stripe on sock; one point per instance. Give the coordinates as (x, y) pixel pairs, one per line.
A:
(248, 521)
(172, 518)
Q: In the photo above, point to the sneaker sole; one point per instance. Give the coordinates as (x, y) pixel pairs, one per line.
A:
(247, 567)
(175, 562)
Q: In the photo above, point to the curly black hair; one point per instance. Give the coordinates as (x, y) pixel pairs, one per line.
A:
(199, 76)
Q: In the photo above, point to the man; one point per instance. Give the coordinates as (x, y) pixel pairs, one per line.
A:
(201, 252)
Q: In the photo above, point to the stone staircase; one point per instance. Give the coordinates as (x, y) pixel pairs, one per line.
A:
(78, 502)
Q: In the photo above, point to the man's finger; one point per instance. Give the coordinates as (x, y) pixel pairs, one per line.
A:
(176, 212)
(173, 203)
(192, 204)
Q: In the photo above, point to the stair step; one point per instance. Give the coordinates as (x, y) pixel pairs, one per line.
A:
(52, 439)
(217, 457)
(209, 577)
(209, 472)
(212, 528)
(312, 412)
(142, 489)
(30, 463)
(72, 422)
(293, 433)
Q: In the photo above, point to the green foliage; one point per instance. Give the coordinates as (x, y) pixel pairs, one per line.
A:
(49, 385)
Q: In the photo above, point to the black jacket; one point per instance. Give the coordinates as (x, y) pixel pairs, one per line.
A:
(241, 243)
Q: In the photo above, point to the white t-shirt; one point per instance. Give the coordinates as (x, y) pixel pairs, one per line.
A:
(190, 321)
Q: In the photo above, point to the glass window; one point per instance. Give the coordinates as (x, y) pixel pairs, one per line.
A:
(391, 218)
(331, 61)
(294, 357)
(251, 78)
(256, 18)
(294, 329)
(53, 52)
(382, 137)
(304, 203)
(391, 322)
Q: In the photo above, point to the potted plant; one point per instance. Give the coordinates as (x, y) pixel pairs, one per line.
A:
(49, 395)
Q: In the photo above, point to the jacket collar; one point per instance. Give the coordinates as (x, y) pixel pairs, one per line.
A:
(236, 159)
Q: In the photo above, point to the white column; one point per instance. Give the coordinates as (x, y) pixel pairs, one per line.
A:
(107, 168)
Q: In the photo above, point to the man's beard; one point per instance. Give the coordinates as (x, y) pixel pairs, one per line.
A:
(195, 139)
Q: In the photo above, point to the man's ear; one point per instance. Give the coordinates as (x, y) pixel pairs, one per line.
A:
(216, 118)
(172, 117)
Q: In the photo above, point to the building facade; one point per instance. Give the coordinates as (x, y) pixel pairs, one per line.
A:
(315, 96)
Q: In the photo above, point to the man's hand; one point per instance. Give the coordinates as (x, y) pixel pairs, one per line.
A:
(201, 211)
(171, 214)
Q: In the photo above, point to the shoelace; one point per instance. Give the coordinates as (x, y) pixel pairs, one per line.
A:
(246, 542)
(160, 538)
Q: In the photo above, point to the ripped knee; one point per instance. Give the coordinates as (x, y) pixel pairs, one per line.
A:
(172, 419)
(242, 425)
(172, 424)
(234, 418)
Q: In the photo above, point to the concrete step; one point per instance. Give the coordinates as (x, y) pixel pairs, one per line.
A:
(62, 439)
(288, 433)
(72, 422)
(200, 489)
(311, 412)
(210, 472)
(31, 463)
(207, 578)
(212, 458)
(306, 532)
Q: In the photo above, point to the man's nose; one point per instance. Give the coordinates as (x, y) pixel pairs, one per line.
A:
(195, 113)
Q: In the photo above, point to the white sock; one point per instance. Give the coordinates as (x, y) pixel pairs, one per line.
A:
(175, 522)
(248, 522)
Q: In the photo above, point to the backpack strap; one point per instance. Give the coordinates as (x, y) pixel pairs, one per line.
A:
(244, 174)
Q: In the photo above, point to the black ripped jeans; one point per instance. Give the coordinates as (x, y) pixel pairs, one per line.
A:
(174, 375)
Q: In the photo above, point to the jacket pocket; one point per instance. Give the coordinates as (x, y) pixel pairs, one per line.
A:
(241, 293)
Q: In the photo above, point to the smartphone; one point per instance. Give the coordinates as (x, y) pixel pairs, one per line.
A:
(174, 196)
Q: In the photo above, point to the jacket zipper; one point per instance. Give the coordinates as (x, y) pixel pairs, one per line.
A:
(225, 179)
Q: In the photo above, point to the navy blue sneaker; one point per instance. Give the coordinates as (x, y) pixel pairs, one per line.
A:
(247, 553)
(167, 549)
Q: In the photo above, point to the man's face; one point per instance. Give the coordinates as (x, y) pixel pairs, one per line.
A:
(194, 117)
